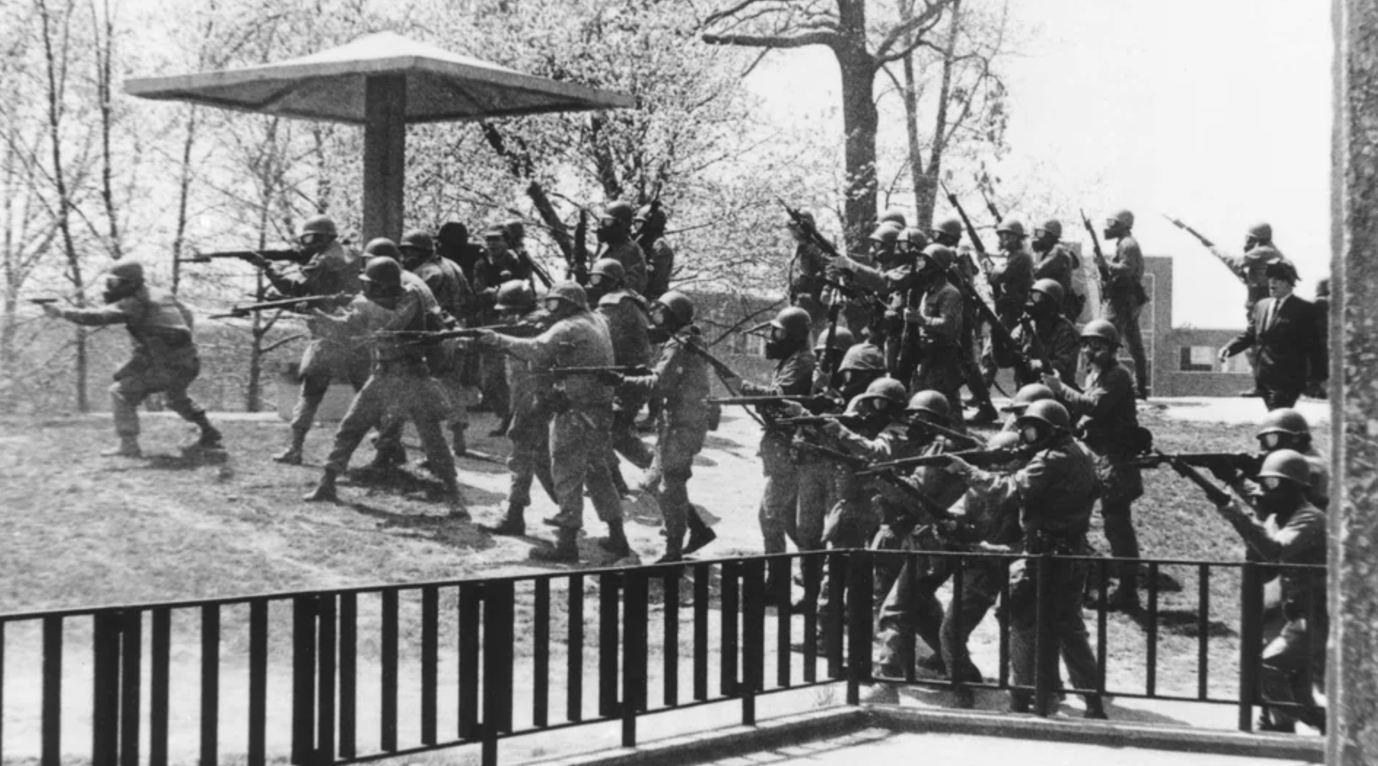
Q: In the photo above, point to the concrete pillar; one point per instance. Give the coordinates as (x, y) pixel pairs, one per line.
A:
(1352, 670)
(385, 153)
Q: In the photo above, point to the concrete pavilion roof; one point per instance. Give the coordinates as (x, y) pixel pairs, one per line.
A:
(329, 85)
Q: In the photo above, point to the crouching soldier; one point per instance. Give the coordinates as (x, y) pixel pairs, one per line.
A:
(400, 384)
(165, 358)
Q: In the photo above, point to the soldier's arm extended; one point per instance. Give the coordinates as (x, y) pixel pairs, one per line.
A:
(1303, 533)
(947, 323)
(541, 350)
(1099, 398)
(120, 312)
(674, 360)
(1232, 262)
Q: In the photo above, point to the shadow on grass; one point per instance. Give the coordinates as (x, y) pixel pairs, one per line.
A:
(435, 528)
(731, 447)
(1182, 622)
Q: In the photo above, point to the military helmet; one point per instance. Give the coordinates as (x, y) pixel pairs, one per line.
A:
(1051, 288)
(805, 216)
(1047, 411)
(383, 270)
(453, 234)
(888, 389)
(1033, 392)
(515, 229)
(842, 339)
(610, 269)
(794, 321)
(1287, 464)
(127, 270)
(319, 224)
(620, 211)
(1284, 420)
(1261, 231)
(894, 215)
(569, 292)
(382, 246)
(917, 239)
(951, 226)
(1051, 226)
(679, 306)
(417, 239)
(931, 403)
(515, 295)
(1123, 217)
(1011, 225)
(647, 211)
(496, 231)
(1102, 329)
(887, 234)
(862, 356)
(941, 256)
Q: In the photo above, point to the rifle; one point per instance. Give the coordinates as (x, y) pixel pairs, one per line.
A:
(818, 420)
(579, 259)
(1247, 463)
(249, 256)
(1101, 266)
(517, 330)
(43, 301)
(947, 433)
(976, 457)
(724, 372)
(535, 268)
(632, 369)
(1038, 353)
(987, 188)
(238, 312)
(1215, 494)
(810, 231)
(815, 403)
(860, 466)
(998, 332)
(976, 243)
(1199, 237)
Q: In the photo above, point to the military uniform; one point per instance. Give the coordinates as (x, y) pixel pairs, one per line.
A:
(625, 315)
(455, 297)
(1122, 300)
(582, 407)
(1056, 490)
(940, 358)
(1054, 336)
(1058, 263)
(490, 274)
(401, 386)
(780, 498)
(807, 271)
(165, 359)
(661, 267)
(1111, 424)
(331, 354)
(1011, 280)
(529, 430)
(633, 261)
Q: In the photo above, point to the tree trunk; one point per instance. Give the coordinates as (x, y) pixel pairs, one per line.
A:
(183, 195)
(927, 197)
(859, 119)
(911, 126)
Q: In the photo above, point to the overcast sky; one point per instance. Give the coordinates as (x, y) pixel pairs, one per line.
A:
(1217, 111)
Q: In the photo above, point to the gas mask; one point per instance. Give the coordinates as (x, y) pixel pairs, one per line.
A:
(117, 289)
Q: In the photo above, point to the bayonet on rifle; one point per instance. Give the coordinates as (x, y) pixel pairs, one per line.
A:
(1178, 223)
(288, 304)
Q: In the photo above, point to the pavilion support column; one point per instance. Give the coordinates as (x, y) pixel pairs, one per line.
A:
(1352, 667)
(385, 150)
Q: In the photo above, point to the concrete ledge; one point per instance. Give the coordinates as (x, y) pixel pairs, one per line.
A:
(729, 742)
(1106, 733)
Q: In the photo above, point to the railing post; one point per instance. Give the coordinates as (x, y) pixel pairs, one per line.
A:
(1045, 644)
(498, 652)
(860, 606)
(131, 681)
(105, 707)
(52, 692)
(210, 684)
(326, 663)
(1250, 641)
(634, 649)
(303, 680)
(607, 644)
(258, 683)
(753, 637)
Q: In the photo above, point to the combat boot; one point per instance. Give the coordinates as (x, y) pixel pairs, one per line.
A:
(325, 490)
(512, 525)
(210, 435)
(459, 443)
(454, 501)
(128, 447)
(565, 550)
(700, 534)
(616, 541)
(386, 459)
(292, 455)
(1095, 709)
(985, 415)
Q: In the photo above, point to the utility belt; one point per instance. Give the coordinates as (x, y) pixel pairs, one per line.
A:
(1038, 542)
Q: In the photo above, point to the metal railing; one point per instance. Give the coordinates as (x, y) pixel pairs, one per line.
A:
(513, 656)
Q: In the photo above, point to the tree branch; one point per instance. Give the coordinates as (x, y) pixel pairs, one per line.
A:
(916, 26)
(801, 40)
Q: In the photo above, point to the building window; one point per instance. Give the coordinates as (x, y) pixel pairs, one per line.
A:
(1197, 359)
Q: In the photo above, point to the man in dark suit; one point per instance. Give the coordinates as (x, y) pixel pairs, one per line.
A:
(1283, 330)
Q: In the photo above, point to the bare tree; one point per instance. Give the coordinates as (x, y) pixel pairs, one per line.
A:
(861, 50)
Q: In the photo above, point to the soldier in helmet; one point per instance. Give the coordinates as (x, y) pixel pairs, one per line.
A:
(451, 289)
(165, 358)
(615, 233)
(1110, 424)
(1056, 490)
(625, 313)
(1013, 278)
(1124, 297)
(1053, 260)
(894, 215)
(1288, 529)
(789, 347)
(896, 280)
(401, 383)
(830, 352)
(579, 428)
(1259, 251)
(807, 271)
(1283, 330)
(1021, 400)
(498, 266)
(330, 270)
(948, 233)
(648, 228)
(681, 377)
(939, 321)
(452, 242)
(530, 426)
(1047, 332)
